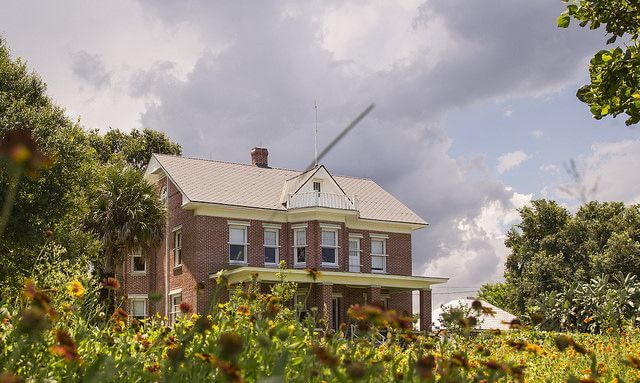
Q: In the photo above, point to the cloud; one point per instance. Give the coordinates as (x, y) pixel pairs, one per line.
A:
(608, 173)
(223, 77)
(508, 113)
(537, 133)
(510, 160)
(90, 68)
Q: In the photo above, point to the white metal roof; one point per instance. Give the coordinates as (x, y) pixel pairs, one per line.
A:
(227, 183)
(499, 321)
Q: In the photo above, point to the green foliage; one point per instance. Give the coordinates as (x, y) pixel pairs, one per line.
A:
(125, 214)
(134, 147)
(614, 73)
(498, 294)
(49, 204)
(256, 338)
(603, 304)
(551, 249)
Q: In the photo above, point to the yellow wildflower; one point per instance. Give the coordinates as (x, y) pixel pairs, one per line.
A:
(75, 289)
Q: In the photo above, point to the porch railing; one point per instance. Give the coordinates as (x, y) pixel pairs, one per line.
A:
(320, 199)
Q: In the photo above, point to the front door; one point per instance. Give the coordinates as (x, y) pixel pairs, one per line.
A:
(354, 255)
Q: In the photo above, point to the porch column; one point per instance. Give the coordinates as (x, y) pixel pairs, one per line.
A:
(425, 310)
(325, 309)
(373, 293)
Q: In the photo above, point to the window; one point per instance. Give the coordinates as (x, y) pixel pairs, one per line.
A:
(300, 246)
(177, 248)
(175, 313)
(138, 262)
(354, 254)
(378, 255)
(329, 247)
(271, 246)
(237, 244)
(138, 306)
(163, 194)
(316, 186)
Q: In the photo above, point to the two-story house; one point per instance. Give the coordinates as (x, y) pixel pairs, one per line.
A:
(246, 219)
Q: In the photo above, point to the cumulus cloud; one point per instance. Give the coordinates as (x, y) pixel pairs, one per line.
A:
(223, 77)
(537, 133)
(510, 160)
(90, 68)
(608, 173)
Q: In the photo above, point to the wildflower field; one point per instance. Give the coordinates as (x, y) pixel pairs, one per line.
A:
(63, 333)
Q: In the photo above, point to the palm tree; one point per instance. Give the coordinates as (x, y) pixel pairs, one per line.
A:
(126, 214)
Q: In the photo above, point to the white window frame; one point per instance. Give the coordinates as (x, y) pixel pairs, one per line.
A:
(164, 193)
(382, 256)
(245, 244)
(276, 247)
(177, 247)
(138, 254)
(357, 239)
(335, 247)
(138, 297)
(174, 309)
(297, 245)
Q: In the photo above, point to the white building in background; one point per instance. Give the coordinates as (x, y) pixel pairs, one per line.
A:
(499, 321)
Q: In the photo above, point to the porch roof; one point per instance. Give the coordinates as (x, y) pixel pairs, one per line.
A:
(266, 274)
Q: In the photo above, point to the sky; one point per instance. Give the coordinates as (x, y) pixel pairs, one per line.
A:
(475, 100)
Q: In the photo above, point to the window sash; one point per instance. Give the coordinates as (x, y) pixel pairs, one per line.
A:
(138, 307)
(271, 238)
(135, 263)
(378, 247)
(329, 238)
(237, 244)
(238, 235)
(329, 255)
(300, 237)
(177, 248)
(378, 263)
(301, 254)
(175, 313)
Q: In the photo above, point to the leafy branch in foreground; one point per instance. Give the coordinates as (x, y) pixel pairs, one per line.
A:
(615, 72)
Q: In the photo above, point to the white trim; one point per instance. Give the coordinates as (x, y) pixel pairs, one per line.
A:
(137, 296)
(296, 246)
(330, 226)
(179, 227)
(245, 244)
(272, 226)
(356, 235)
(174, 292)
(276, 246)
(238, 223)
(299, 226)
(381, 236)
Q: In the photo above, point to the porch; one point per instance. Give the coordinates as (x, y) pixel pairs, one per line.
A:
(333, 292)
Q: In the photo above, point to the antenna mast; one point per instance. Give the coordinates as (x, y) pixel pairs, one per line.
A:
(315, 140)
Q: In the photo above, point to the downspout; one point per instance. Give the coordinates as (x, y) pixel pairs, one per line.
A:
(166, 254)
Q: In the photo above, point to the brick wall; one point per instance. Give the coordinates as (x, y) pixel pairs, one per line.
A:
(205, 250)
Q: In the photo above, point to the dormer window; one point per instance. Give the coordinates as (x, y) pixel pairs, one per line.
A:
(316, 186)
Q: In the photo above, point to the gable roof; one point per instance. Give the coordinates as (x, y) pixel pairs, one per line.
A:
(228, 183)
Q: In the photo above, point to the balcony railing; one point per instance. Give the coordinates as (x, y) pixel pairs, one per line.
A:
(318, 199)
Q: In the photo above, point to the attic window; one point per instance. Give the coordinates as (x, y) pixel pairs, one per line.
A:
(316, 186)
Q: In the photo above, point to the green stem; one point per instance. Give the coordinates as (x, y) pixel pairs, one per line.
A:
(10, 198)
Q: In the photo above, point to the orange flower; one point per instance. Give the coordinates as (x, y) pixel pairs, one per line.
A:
(244, 310)
(111, 283)
(65, 347)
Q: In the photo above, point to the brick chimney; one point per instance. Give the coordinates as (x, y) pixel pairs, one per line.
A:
(260, 157)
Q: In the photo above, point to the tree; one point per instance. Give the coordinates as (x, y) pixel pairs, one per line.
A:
(126, 214)
(498, 294)
(49, 204)
(615, 72)
(134, 147)
(551, 249)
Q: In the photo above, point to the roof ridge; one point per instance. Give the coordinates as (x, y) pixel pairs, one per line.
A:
(225, 162)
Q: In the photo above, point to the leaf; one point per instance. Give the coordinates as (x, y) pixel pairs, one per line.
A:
(612, 39)
(564, 19)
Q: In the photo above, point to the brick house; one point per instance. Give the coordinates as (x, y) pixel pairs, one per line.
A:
(246, 219)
